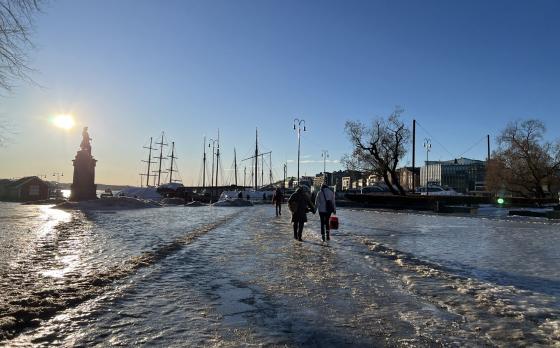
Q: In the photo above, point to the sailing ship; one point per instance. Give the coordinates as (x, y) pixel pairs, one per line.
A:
(255, 192)
(154, 187)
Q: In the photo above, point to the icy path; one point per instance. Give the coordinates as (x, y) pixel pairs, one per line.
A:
(247, 282)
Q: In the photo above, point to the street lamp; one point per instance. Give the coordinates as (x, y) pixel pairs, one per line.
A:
(213, 142)
(57, 189)
(58, 175)
(428, 147)
(325, 155)
(298, 122)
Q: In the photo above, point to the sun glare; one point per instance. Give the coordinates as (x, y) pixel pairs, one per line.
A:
(64, 121)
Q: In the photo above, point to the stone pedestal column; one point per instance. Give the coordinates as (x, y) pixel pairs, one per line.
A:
(83, 185)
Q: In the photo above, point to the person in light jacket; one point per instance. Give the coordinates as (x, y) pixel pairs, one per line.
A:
(325, 203)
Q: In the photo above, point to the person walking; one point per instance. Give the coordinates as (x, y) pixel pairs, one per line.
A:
(278, 198)
(299, 203)
(325, 203)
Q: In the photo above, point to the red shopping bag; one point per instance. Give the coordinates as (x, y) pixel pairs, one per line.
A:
(333, 223)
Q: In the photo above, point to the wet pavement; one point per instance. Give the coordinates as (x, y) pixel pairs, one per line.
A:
(236, 277)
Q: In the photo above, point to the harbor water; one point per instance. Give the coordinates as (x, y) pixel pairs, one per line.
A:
(224, 276)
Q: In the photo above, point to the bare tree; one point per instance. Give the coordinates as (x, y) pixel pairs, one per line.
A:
(16, 20)
(379, 149)
(524, 164)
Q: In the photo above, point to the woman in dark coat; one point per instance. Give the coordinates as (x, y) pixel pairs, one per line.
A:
(299, 203)
(278, 199)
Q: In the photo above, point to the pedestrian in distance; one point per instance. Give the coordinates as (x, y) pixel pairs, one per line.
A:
(278, 199)
(300, 203)
(325, 203)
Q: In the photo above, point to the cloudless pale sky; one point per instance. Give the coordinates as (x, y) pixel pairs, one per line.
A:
(131, 69)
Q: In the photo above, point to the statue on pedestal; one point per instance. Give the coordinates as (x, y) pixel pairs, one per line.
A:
(85, 145)
(83, 184)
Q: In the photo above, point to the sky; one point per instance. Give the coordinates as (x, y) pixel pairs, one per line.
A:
(131, 69)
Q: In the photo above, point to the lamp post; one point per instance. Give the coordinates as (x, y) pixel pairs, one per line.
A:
(325, 155)
(57, 190)
(428, 147)
(58, 175)
(298, 122)
(204, 165)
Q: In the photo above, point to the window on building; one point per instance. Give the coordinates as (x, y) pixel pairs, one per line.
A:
(33, 190)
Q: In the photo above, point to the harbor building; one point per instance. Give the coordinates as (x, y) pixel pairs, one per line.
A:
(26, 189)
(343, 179)
(406, 175)
(323, 178)
(462, 174)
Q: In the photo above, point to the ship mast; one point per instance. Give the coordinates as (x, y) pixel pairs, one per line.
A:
(235, 165)
(161, 145)
(149, 162)
(270, 162)
(172, 158)
(256, 157)
(218, 158)
(204, 164)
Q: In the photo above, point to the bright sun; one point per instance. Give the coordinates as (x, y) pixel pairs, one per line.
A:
(64, 121)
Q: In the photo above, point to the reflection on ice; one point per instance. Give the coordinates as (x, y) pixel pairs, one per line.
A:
(66, 263)
(49, 219)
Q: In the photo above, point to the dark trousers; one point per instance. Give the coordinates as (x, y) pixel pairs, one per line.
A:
(278, 209)
(298, 229)
(325, 223)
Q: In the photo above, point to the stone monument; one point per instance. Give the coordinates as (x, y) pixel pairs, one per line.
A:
(83, 185)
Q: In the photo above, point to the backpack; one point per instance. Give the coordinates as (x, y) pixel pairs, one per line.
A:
(292, 203)
(329, 203)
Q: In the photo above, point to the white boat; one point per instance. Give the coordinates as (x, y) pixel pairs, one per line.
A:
(257, 193)
(150, 193)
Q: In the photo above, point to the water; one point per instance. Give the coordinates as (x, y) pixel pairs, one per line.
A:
(183, 276)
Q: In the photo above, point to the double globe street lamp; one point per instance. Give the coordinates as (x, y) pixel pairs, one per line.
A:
(297, 126)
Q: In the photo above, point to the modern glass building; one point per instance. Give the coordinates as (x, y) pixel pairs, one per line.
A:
(461, 174)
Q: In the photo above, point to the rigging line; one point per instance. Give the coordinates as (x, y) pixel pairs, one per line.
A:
(472, 146)
(434, 138)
